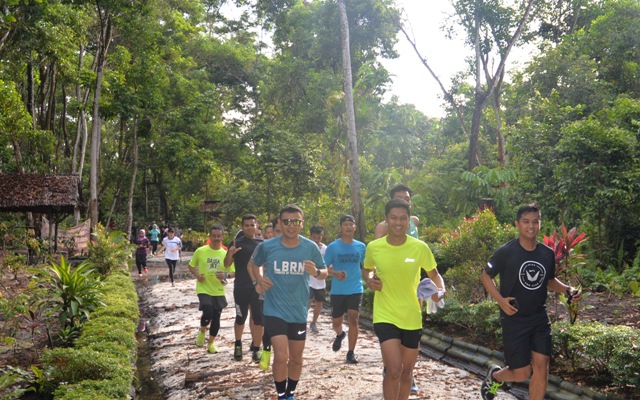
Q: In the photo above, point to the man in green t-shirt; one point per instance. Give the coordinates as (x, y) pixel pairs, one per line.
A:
(207, 265)
(392, 270)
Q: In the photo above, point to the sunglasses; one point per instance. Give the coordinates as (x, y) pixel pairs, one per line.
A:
(295, 222)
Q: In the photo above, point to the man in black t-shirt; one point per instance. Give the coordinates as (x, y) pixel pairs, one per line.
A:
(244, 293)
(527, 270)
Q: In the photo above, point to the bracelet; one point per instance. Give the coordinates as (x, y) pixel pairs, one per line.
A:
(254, 282)
(227, 275)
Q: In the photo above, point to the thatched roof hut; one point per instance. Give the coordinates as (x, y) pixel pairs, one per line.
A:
(40, 193)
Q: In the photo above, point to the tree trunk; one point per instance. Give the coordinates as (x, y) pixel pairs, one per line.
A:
(479, 98)
(354, 167)
(132, 185)
(80, 145)
(105, 38)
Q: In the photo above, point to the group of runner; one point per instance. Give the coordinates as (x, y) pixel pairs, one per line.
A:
(278, 278)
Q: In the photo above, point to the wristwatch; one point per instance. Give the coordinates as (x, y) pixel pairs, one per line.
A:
(254, 282)
(317, 273)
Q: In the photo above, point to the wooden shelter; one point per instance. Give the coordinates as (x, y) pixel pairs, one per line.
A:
(54, 195)
(210, 208)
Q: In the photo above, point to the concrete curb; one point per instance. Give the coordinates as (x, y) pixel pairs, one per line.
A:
(478, 359)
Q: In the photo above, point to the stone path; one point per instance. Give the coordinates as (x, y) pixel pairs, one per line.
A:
(172, 328)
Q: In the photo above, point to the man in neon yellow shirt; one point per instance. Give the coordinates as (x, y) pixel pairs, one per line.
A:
(207, 265)
(392, 270)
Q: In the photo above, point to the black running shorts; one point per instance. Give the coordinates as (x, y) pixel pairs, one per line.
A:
(316, 294)
(276, 326)
(245, 298)
(522, 335)
(340, 303)
(408, 338)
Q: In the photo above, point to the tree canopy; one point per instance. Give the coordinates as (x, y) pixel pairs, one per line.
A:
(188, 101)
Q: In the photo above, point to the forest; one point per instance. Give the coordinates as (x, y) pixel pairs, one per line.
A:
(160, 105)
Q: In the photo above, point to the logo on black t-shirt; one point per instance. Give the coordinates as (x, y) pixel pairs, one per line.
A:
(532, 275)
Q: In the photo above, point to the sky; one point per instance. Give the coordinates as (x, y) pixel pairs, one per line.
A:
(412, 82)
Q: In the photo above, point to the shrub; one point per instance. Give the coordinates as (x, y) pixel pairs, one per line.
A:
(464, 253)
(100, 365)
(76, 293)
(367, 300)
(68, 366)
(105, 389)
(118, 307)
(610, 351)
(483, 318)
(100, 330)
(109, 251)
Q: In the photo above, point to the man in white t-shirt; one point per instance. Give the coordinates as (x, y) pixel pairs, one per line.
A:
(317, 286)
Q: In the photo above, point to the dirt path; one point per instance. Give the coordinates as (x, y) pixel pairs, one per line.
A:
(172, 328)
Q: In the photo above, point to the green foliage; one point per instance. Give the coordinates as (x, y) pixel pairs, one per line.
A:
(76, 293)
(611, 280)
(109, 251)
(105, 389)
(16, 382)
(13, 264)
(465, 252)
(483, 318)
(76, 365)
(100, 365)
(26, 314)
(610, 352)
(367, 300)
(107, 329)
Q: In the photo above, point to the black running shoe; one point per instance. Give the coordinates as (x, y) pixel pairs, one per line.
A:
(237, 352)
(337, 343)
(490, 386)
(351, 358)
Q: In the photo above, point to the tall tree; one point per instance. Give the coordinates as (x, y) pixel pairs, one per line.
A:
(492, 30)
(354, 165)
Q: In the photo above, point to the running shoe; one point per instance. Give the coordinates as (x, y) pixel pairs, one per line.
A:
(351, 358)
(337, 343)
(146, 270)
(490, 386)
(200, 339)
(139, 275)
(313, 327)
(237, 352)
(212, 349)
(265, 360)
(414, 386)
(255, 356)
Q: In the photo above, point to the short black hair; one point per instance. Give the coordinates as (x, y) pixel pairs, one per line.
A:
(316, 229)
(267, 226)
(291, 208)
(247, 217)
(533, 207)
(400, 188)
(347, 217)
(216, 227)
(397, 203)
